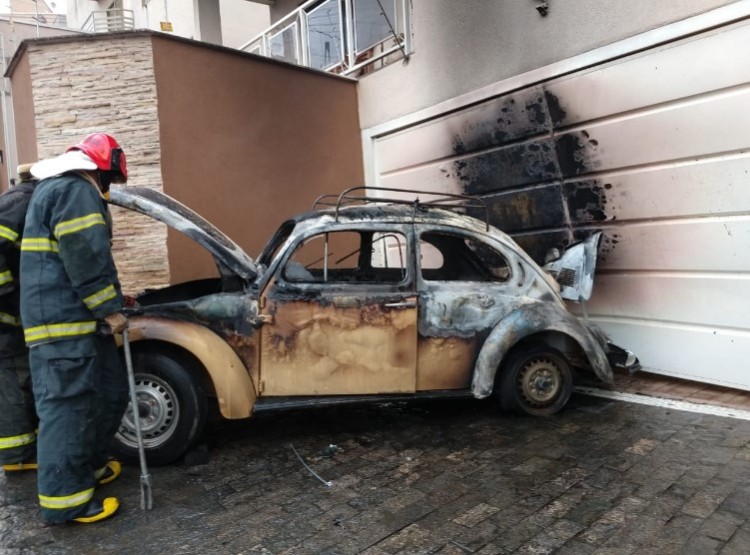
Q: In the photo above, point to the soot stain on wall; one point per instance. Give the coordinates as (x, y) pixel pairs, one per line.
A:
(586, 201)
(507, 167)
(577, 153)
(527, 209)
(532, 158)
(505, 120)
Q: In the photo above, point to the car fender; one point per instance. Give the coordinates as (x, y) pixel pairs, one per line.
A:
(234, 388)
(523, 322)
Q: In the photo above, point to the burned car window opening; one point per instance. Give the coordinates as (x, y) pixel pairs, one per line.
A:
(451, 257)
(349, 256)
(273, 247)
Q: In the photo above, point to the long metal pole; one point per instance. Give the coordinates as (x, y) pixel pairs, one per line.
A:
(147, 498)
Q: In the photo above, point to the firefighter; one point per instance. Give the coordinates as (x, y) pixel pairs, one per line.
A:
(69, 285)
(18, 419)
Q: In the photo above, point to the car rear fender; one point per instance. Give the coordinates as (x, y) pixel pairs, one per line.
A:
(234, 388)
(524, 322)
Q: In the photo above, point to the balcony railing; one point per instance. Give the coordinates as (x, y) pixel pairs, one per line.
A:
(340, 36)
(107, 21)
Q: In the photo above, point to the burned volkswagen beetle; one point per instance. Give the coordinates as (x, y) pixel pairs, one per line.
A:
(376, 298)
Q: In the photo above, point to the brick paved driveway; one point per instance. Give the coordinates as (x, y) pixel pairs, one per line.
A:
(441, 477)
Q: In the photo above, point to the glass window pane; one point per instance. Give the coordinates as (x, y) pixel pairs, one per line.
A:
(371, 27)
(284, 44)
(256, 47)
(324, 28)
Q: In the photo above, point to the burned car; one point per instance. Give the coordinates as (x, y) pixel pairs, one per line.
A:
(361, 298)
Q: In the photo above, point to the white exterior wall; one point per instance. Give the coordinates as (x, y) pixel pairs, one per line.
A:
(646, 139)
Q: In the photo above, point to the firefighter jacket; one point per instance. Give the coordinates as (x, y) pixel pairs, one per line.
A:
(13, 204)
(68, 276)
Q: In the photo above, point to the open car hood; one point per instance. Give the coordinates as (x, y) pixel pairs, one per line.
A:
(230, 258)
(574, 270)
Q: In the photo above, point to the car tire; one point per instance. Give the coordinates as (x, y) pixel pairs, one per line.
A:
(172, 405)
(537, 381)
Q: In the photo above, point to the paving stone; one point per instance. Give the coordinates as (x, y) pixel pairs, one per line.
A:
(740, 542)
(642, 446)
(738, 501)
(702, 504)
(702, 545)
(721, 526)
(475, 515)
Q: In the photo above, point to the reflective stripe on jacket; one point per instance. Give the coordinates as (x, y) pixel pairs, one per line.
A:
(68, 277)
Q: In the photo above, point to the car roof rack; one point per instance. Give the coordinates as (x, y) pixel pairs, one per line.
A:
(358, 195)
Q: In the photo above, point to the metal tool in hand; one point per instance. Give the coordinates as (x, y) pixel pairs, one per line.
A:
(147, 498)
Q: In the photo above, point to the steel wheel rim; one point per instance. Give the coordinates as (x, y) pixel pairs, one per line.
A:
(540, 381)
(159, 413)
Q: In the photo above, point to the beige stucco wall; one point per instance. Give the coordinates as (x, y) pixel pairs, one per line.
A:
(248, 142)
(104, 84)
(459, 48)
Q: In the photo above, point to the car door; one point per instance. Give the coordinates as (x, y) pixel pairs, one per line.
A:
(467, 284)
(340, 316)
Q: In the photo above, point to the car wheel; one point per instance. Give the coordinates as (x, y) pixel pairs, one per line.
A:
(537, 381)
(172, 408)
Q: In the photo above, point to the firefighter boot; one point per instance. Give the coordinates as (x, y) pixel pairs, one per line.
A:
(108, 473)
(17, 467)
(99, 510)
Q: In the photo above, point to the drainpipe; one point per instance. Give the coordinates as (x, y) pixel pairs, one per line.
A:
(5, 114)
(36, 9)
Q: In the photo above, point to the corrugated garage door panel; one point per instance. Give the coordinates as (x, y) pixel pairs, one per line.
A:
(700, 65)
(703, 126)
(708, 354)
(675, 298)
(710, 186)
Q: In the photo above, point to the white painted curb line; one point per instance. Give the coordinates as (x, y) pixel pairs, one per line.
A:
(666, 403)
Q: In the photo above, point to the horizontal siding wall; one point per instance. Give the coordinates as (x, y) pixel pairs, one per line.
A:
(653, 149)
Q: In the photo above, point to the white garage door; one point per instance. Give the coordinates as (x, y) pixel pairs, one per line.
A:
(653, 149)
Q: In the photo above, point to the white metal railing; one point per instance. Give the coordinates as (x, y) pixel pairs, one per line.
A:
(340, 36)
(106, 21)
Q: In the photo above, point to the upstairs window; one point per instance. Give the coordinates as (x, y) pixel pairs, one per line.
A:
(325, 37)
(371, 23)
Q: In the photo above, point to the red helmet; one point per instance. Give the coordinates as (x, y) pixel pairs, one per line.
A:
(105, 153)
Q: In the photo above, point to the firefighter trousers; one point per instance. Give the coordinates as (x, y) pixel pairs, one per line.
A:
(80, 387)
(18, 419)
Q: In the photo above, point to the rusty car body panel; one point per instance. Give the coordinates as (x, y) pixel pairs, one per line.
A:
(365, 300)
